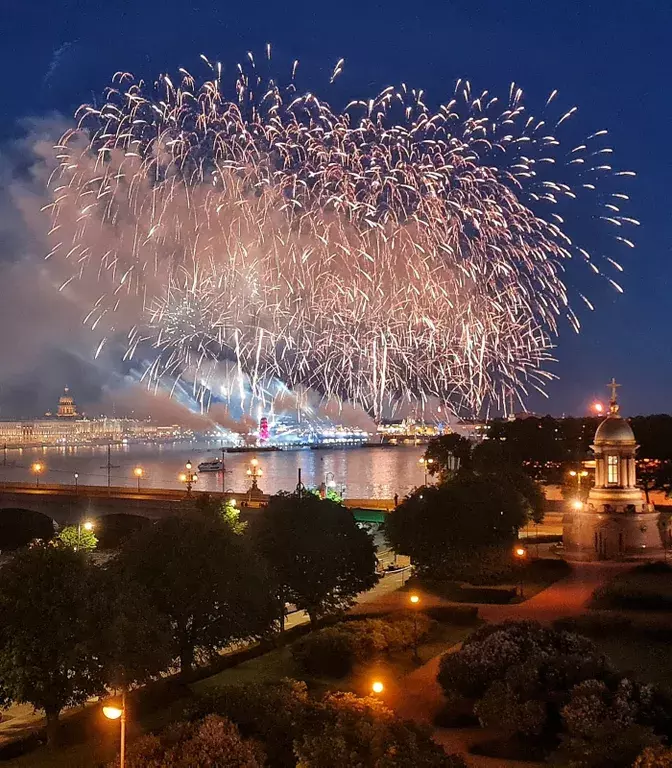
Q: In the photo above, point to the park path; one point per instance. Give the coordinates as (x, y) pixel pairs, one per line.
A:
(418, 695)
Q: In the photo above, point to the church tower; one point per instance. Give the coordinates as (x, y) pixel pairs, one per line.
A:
(615, 523)
(66, 406)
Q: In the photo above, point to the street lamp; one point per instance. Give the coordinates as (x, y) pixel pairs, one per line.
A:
(37, 468)
(377, 687)
(76, 482)
(425, 464)
(329, 479)
(579, 475)
(188, 477)
(119, 713)
(88, 526)
(254, 473)
(415, 600)
(520, 554)
(138, 472)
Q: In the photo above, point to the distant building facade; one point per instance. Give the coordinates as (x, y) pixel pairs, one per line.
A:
(615, 523)
(68, 427)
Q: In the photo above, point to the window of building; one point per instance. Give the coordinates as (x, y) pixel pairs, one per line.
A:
(612, 469)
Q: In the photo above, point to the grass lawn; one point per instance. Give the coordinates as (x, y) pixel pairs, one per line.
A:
(535, 577)
(650, 661)
(279, 663)
(645, 588)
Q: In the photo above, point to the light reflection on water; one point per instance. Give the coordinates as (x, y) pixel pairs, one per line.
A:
(365, 472)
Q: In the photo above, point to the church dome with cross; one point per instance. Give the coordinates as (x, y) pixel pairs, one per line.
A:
(615, 522)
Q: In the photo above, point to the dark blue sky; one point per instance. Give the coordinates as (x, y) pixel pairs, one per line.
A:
(612, 59)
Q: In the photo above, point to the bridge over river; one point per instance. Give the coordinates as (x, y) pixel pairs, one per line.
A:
(69, 504)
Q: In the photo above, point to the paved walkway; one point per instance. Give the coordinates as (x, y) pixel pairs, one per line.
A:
(418, 696)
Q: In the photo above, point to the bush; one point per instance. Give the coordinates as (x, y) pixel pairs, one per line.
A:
(340, 730)
(274, 714)
(363, 732)
(654, 757)
(214, 741)
(333, 651)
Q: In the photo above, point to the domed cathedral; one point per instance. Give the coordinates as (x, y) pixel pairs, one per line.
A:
(66, 406)
(615, 523)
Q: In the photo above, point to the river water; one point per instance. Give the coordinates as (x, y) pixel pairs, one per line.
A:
(365, 472)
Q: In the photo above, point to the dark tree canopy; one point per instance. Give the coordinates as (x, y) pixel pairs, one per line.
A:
(448, 453)
(18, 527)
(50, 654)
(441, 526)
(318, 554)
(205, 579)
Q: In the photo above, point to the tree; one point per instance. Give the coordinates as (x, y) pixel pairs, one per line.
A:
(227, 511)
(135, 646)
(19, 527)
(448, 453)
(446, 529)
(209, 743)
(320, 558)
(364, 732)
(493, 459)
(77, 537)
(205, 579)
(49, 636)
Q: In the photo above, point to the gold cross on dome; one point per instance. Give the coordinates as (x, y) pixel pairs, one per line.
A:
(613, 386)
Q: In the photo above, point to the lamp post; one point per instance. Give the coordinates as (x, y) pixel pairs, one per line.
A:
(88, 526)
(377, 687)
(119, 713)
(76, 482)
(520, 554)
(579, 475)
(138, 472)
(415, 601)
(37, 468)
(254, 472)
(188, 477)
(426, 463)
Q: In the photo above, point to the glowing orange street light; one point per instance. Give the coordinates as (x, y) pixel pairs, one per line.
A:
(520, 552)
(138, 472)
(112, 712)
(520, 555)
(36, 469)
(414, 599)
(577, 504)
(188, 477)
(377, 687)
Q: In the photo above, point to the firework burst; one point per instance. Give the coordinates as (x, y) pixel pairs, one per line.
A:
(382, 253)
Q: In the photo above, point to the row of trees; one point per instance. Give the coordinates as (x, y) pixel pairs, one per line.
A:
(470, 519)
(547, 439)
(177, 592)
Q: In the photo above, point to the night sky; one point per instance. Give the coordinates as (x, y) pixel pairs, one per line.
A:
(612, 59)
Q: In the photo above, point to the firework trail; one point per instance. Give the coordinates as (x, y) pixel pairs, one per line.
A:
(383, 253)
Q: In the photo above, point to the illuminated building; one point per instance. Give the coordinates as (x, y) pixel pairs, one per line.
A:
(68, 427)
(616, 522)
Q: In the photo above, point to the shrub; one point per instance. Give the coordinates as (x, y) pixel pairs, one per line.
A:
(362, 732)
(654, 757)
(333, 651)
(214, 741)
(272, 713)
